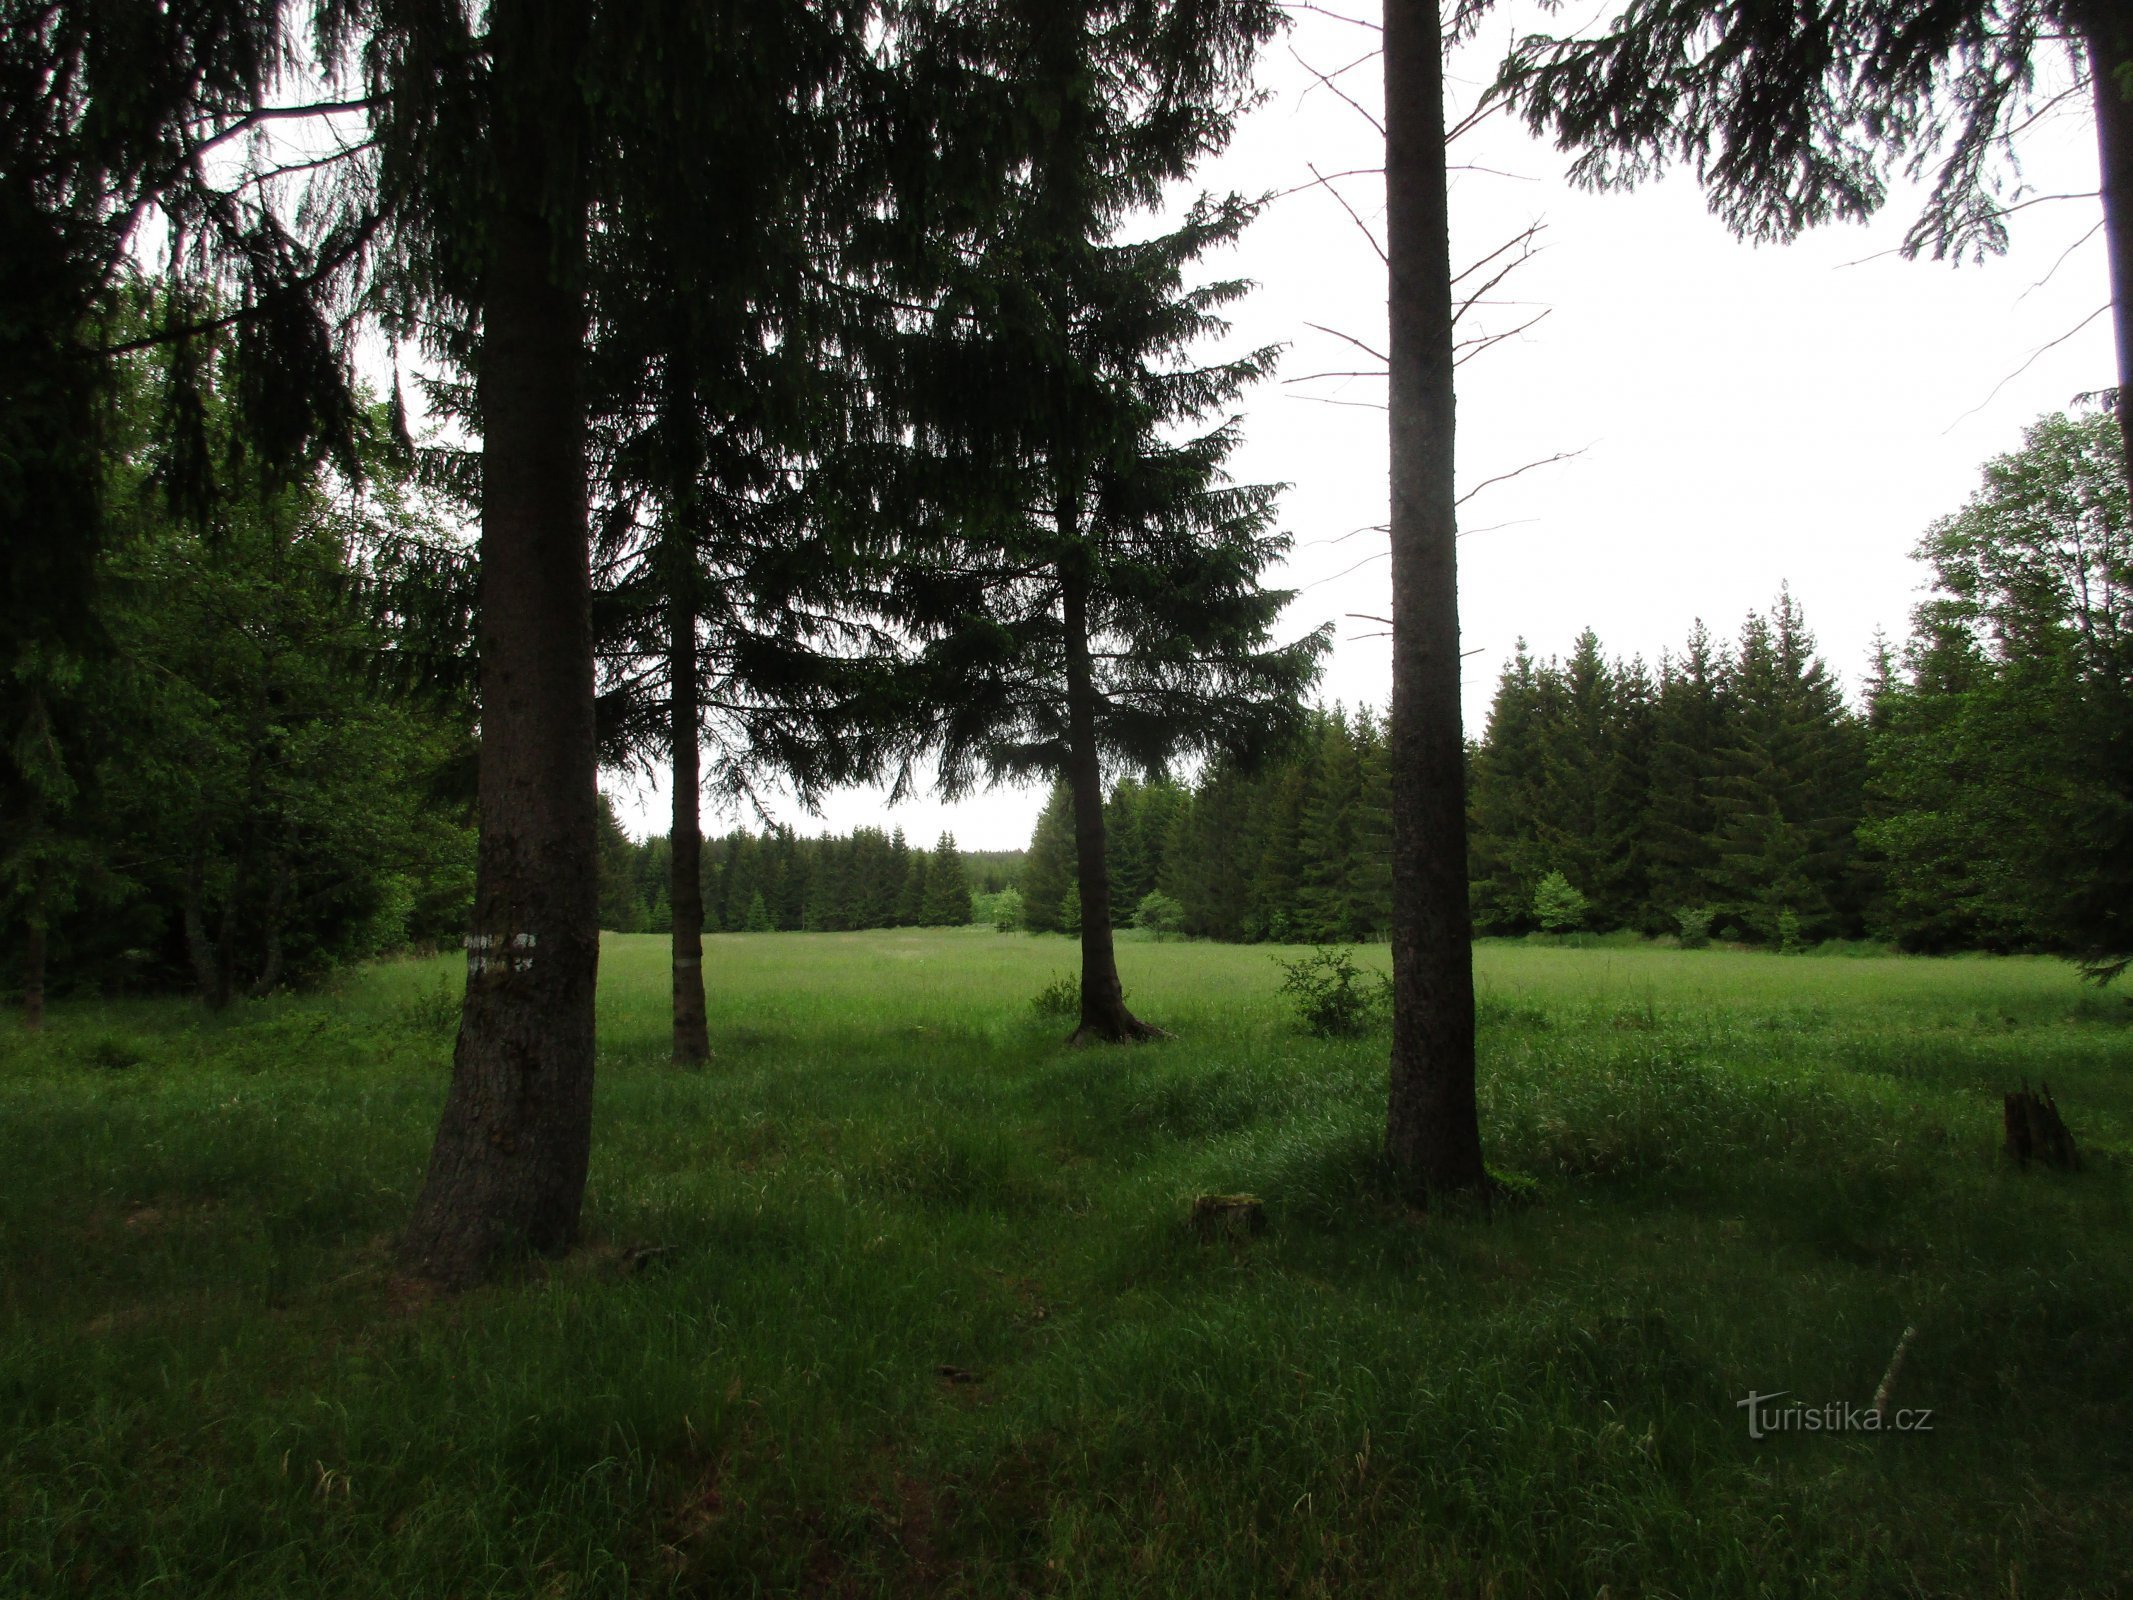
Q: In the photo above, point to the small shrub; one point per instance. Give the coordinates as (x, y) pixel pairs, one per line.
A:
(1159, 914)
(1331, 999)
(1059, 998)
(1070, 911)
(1002, 911)
(111, 1054)
(1788, 931)
(1695, 925)
(434, 1011)
(1557, 905)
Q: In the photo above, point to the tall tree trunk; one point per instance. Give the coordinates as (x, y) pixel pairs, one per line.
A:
(508, 1169)
(685, 893)
(1104, 1017)
(2107, 33)
(1432, 1130)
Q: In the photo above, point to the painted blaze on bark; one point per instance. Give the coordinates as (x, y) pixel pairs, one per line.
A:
(1432, 1129)
(685, 892)
(507, 1172)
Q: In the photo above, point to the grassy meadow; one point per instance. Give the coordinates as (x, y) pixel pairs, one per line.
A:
(897, 1297)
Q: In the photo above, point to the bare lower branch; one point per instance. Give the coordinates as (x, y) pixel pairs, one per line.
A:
(1352, 217)
(1364, 405)
(1351, 172)
(1354, 104)
(2051, 344)
(1348, 338)
(1506, 477)
(2095, 229)
(1353, 22)
(1480, 342)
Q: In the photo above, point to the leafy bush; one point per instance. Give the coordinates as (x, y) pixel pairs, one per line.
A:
(1059, 998)
(1159, 914)
(1557, 905)
(1332, 1000)
(1695, 925)
(1001, 911)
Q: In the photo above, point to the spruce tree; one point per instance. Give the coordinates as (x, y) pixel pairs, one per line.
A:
(1689, 729)
(1510, 774)
(1788, 790)
(1048, 872)
(1098, 602)
(1207, 863)
(947, 902)
(1591, 799)
(1432, 1126)
(1327, 908)
(911, 898)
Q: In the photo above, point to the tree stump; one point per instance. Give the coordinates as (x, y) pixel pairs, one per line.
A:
(2035, 1130)
(1230, 1216)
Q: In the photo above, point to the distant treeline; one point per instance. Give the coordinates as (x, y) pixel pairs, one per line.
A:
(778, 881)
(1976, 798)
(1729, 784)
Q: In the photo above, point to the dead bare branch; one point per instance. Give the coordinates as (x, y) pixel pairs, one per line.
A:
(1358, 221)
(1480, 342)
(1353, 22)
(1353, 104)
(2050, 344)
(1506, 477)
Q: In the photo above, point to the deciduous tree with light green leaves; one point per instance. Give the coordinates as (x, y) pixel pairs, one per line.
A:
(2004, 776)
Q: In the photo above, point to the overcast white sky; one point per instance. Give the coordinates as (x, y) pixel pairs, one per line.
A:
(1749, 416)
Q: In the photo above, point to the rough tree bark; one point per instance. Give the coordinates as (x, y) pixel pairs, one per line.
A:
(1433, 1133)
(692, 1042)
(507, 1172)
(2107, 35)
(1104, 1017)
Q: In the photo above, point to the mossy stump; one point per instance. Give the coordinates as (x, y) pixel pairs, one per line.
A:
(2036, 1131)
(1227, 1216)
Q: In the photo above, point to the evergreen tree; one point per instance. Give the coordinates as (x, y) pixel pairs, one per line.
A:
(1787, 792)
(1048, 872)
(1592, 789)
(2002, 785)
(1689, 729)
(1370, 860)
(1275, 849)
(1432, 1127)
(1508, 856)
(911, 899)
(621, 911)
(1206, 859)
(1328, 905)
(947, 903)
(1101, 603)
(1130, 874)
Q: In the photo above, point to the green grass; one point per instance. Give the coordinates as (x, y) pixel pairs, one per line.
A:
(1751, 1173)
